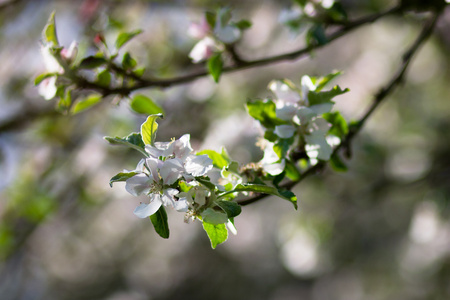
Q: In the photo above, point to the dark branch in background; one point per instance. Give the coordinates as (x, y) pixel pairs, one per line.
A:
(240, 63)
(378, 98)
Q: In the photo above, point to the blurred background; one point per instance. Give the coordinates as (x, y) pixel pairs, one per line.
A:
(379, 231)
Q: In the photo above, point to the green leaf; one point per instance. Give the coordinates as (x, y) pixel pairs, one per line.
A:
(86, 103)
(213, 216)
(265, 189)
(243, 24)
(42, 77)
(210, 18)
(316, 35)
(315, 98)
(322, 81)
(215, 66)
(217, 233)
(104, 78)
(149, 128)
(224, 14)
(265, 112)
(339, 126)
(122, 176)
(124, 37)
(49, 32)
(206, 182)
(92, 62)
(282, 146)
(231, 208)
(133, 141)
(337, 164)
(128, 62)
(144, 105)
(65, 102)
(291, 171)
(159, 221)
(219, 160)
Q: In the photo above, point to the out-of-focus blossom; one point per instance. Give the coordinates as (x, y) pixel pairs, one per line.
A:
(204, 49)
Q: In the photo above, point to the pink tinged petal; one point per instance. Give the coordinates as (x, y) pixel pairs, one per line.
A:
(146, 210)
(286, 111)
(158, 149)
(322, 108)
(199, 30)
(228, 34)
(198, 165)
(171, 170)
(70, 53)
(203, 50)
(138, 184)
(47, 88)
(50, 62)
(284, 131)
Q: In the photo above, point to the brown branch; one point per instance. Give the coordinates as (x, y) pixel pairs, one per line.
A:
(378, 98)
(240, 63)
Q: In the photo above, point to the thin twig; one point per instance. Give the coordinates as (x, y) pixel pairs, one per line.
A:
(379, 97)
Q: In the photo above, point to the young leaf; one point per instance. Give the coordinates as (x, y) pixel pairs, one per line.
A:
(322, 81)
(86, 103)
(325, 97)
(149, 128)
(159, 221)
(210, 18)
(215, 66)
(49, 32)
(134, 141)
(219, 160)
(316, 35)
(124, 37)
(337, 164)
(339, 126)
(213, 216)
(243, 24)
(264, 112)
(122, 176)
(231, 208)
(42, 77)
(217, 233)
(92, 62)
(265, 189)
(128, 62)
(104, 78)
(144, 105)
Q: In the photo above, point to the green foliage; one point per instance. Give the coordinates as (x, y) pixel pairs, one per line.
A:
(149, 128)
(128, 62)
(104, 78)
(243, 24)
(220, 160)
(264, 112)
(92, 62)
(125, 37)
(231, 208)
(49, 34)
(337, 164)
(214, 216)
(159, 221)
(215, 66)
(144, 105)
(316, 98)
(321, 82)
(122, 176)
(316, 35)
(134, 141)
(265, 189)
(86, 103)
(217, 233)
(339, 125)
(42, 77)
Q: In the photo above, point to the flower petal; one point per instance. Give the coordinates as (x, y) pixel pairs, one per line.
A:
(138, 184)
(284, 131)
(171, 170)
(146, 210)
(198, 165)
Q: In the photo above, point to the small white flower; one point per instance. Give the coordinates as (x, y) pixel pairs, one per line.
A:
(271, 163)
(199, 30)
(47, 88)
(203, 50)
(285, 131)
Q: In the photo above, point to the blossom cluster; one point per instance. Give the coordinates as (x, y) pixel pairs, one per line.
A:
(157, 175)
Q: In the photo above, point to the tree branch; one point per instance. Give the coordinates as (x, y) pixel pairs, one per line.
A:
(378, 98)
